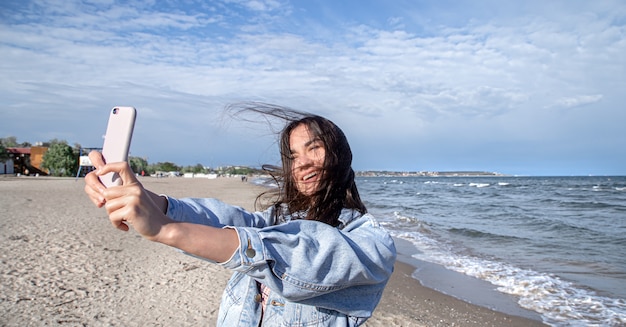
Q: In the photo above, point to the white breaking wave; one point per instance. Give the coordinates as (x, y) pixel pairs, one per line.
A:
(560, 302)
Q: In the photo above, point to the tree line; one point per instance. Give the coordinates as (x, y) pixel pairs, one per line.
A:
(61, 159)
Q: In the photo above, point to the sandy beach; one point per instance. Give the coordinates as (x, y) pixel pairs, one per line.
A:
(63, 264)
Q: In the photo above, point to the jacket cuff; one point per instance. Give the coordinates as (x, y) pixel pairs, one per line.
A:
(250, 252)
(173, 206)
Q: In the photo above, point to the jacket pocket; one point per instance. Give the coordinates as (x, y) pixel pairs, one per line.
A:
(306, 315)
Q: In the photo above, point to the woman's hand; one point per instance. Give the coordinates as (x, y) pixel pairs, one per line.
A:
(128, 203)
(93, 187)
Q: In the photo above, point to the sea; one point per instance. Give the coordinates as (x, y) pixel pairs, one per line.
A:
(556, 245)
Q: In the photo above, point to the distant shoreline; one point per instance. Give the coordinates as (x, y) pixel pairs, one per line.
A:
(375, 173)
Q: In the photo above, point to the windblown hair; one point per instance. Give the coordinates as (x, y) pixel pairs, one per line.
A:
(336, 188)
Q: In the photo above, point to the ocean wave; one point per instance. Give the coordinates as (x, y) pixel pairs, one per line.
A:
(399, 217)
(476, 234)
(562, 228)
(560, 302)
(403, 222)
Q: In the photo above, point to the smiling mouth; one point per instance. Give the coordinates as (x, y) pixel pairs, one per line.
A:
(309, 176)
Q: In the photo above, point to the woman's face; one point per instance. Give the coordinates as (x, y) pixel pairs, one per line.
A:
(307, 154)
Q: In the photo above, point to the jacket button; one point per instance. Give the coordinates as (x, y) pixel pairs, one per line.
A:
(257, 298)
(250, 253)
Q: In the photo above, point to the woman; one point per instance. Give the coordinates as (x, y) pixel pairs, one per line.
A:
(313, 258)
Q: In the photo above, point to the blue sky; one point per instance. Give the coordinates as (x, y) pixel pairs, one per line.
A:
(516, 87)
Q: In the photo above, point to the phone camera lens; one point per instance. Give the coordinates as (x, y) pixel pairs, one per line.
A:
(115, 111)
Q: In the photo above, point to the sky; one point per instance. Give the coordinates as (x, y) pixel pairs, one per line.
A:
(516, 87)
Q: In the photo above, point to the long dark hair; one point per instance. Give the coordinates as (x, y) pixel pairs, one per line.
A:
(336, 189)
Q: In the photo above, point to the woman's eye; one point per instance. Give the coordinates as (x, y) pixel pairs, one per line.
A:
(315, 146)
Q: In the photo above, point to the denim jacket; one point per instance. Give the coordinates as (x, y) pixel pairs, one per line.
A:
(318, 275)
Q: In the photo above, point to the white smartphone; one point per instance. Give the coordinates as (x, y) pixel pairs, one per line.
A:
(117, 140)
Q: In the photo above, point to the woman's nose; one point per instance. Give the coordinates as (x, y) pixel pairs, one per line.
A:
(302, 161)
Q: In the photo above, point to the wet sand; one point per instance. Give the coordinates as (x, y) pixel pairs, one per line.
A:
(62, 263)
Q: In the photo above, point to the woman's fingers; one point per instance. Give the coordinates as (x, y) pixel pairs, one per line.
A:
(122, 168)
(96, 159)
(93, 186)
(131, 203)
(126, 204)
(94, 189)
(95, 196)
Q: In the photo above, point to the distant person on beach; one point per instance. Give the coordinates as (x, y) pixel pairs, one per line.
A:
(313, 257)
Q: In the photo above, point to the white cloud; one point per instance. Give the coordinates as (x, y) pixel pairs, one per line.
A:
(577, 101)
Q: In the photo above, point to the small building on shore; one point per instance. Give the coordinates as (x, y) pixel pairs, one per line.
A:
(24, 161)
